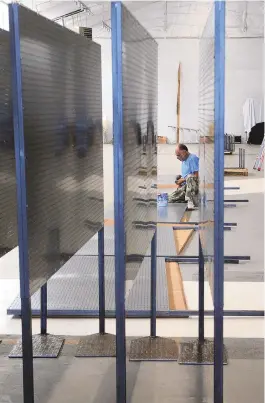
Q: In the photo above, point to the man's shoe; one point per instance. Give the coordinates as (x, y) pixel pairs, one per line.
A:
(191, 205)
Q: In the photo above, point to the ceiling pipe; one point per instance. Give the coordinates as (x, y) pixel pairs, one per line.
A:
(165, 17)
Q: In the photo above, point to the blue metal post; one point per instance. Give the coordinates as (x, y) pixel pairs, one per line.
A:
(219, 101)
(27, 351)
(101, 281)
(153, 285)
(119, 225)
(201, 292)
(18, 121)
(43, 308)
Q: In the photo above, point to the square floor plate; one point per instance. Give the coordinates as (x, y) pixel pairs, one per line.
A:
(97, 345)
(196, 353)
(153, 349)
(44, 346)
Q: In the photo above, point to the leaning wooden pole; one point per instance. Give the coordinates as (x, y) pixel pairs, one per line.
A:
(178, 105)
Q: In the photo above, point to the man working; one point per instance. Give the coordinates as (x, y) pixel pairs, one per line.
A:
(188, 182)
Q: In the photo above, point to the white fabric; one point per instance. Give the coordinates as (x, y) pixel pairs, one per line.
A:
(261, 111)
(249, 115)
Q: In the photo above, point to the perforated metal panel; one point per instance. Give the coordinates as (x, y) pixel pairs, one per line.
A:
(139, 88)
(62, 133)
(8, 209)
(206, 127)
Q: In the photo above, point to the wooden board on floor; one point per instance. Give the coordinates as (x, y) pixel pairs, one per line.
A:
(176, 296)
(236, 171)
(182, 238)
(162, 140)
(166, 186)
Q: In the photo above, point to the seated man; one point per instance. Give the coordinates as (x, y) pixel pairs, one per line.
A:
(188, 182)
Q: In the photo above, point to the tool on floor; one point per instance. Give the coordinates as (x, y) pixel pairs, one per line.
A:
(260, 157)
(229, 146)
(241, 169)
(242, 158)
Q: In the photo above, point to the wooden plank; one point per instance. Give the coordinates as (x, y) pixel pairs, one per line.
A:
(167, 186)
(182, 237)
(108, 221)
(236, 171)
(162, 140)
(178, 105)
(176, 294)
(186, 216)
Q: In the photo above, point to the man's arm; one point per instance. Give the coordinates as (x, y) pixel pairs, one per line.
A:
(180, 181)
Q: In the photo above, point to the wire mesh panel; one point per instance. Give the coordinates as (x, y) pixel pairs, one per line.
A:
(206, 127)
(139, 117)
(8, 207)
(58, 137)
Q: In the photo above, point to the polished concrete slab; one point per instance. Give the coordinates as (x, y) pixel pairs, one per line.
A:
(89, 380)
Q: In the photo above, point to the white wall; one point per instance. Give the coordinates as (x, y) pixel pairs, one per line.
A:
(4, 19)
(170, 53)
(106, 66)
(244, 79)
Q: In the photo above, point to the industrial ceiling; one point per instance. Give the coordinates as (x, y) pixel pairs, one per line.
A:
(163, 19)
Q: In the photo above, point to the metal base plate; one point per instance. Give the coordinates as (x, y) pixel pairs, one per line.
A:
(97, 345)
(197, 353)
(44, 346)
(153, 349)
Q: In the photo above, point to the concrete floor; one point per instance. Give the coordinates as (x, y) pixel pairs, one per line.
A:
(83, 380)
(68, 379)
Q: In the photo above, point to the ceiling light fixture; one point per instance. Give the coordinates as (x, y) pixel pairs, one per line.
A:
(82, 8)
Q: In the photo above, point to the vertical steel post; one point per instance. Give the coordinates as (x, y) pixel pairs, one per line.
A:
(201, 292)
(43, 309)
(27, 351)
(18, 122)
(219, 101)
(153, 285)
(119, 224)
(101, 281)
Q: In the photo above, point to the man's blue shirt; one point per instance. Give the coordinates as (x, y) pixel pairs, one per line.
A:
(190, 165)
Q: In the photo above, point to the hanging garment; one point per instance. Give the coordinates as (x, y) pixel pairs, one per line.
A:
(249, 115)
(256, 134)
(260, 108)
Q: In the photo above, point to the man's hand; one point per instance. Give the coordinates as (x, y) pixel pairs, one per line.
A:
(180, 181)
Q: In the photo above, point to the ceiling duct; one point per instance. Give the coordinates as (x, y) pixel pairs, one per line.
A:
(87, 32)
